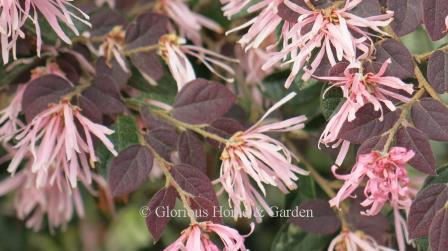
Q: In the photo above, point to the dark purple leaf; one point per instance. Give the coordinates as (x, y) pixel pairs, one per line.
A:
(323, 220)
(146, 30)
(434, 14)
(376, 226)
(107, 101)
(130, 169)
(113, 70)
(438, 234)
(191, 151)
(90, 110)
(70, 66)
(413, 139)
(373, 144)
(367, 124)
(164, 200)
(367, 8)
(438, 71)
(427, 202)
(402, 65)
(431, 117)
(205, 209)
(43, 91)
(105, 20)
(193, 181)
(407, 15)
(151, 122)
(149, 65)
(224, 127)
(163, 141)
(202, 101)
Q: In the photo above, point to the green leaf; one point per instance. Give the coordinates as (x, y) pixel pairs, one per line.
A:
(331, 102)
(441, 177)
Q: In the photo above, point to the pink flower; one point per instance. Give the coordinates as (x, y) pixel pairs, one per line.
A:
(188, 22)
(387, 180)
(196, 238)
(54, 140)
(261, 26)
(10, 122)
(253, 155)
(232, 7)
(55, 199)
(14, 13)
(360, 89)
(355, 241)
(334, 32)
(174, 51)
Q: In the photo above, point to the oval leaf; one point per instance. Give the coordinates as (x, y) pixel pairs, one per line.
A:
(130, 169)
(402, 65)
(202, 101)
(427, 202)
(164, 199)
(434, 14)
(415, 140)
(438, 236)
(191, 151)
(407, 15)
(431, 117)
(438, 71)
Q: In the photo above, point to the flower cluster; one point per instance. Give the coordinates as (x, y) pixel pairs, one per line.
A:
(253, 155)
(387, 180)
(15, 13)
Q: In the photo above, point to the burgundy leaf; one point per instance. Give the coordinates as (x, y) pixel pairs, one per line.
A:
(367, 8)
(434, 14)
(427, 202)
(191, 151)
(372, 144)
(164, 200)
(431, 117)
(413, 139)
(130, 169)
(367, 124)
(224, 127)
(146, 30)
(202, 101)
(193, 181)
(90, 110)
(438, 234)
(149, 65)
(163, 141)
(107, 100)
(113, 70)
(151, 122)
(376, 226)
(323, 220)
(402, 65)
(205, 209)
(43, 91)
(407, 15)
(438, 71)
(104, 20)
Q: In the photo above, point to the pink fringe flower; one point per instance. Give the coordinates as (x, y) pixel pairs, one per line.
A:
(360, 89)
(232, 7)
(54, 140)
(10, 122)
(55, 199)
(355, 241)
(196, 238)
(253, 155)
(328, 30)
(387, 180)
(14, 14)
(174, 51)
(189, 23)
(261, 26)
